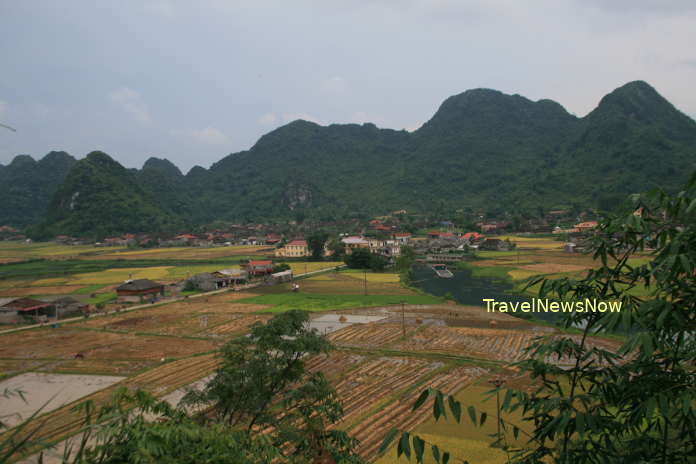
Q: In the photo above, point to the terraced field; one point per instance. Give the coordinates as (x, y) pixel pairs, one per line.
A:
(367, 335)
(64, 422)
(372, 429)
(497, 344)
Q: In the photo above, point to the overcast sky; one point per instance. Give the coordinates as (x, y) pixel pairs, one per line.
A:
(193, 81)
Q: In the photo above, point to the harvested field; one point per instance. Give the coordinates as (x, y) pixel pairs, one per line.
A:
(98, 366)
(367, 335)
(238, 325)
(376, 380)
(64, 343)
(334, 364)
(10, 367)
(64, 422)
(373, 428)
(496, 344)
(38, 290)
(179, 318)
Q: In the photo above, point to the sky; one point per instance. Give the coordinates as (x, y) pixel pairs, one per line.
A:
(193, 81)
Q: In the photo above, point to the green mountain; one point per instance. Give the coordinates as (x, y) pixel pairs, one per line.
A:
(99, 197)
(26, 186)
(482, 149)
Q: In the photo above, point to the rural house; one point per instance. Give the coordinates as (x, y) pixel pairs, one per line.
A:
(139, 290)
(209, 281)
(352, 243)
(13, 310)
(293, 249)
(259, 267)
(67, 305)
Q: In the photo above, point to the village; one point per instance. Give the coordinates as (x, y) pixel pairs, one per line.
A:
(381, 237)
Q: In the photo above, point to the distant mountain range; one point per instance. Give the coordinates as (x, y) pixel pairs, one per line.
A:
(482, 149)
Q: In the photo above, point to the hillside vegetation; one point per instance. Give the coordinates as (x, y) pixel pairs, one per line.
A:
(482, 149)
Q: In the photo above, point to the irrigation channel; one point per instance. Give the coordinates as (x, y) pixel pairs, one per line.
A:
(469, 290)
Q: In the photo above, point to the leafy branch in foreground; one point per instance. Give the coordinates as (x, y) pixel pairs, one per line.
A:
(586, 404)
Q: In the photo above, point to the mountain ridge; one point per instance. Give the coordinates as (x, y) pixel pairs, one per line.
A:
(481, 149)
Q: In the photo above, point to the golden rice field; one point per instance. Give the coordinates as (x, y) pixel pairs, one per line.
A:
(531, 243)
(187, 252)
(49, 250)
(310, 266)
(382, 277)
(40, 290)
(347, 283)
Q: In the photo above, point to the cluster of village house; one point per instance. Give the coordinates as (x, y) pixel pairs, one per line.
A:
(381, 237)
(19, 309)
(14, 310)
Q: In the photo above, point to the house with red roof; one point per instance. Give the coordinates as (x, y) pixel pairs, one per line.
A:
(259, 267)
(472, 236)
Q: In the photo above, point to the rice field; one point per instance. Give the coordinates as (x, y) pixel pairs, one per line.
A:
(40, 290)
(495, 344)
(301, 267)
(187, 252)
(23, 251)
(65, 342)
(161, 380)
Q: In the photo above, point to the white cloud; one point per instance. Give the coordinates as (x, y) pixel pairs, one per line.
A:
(205, 136)
(131, 102)
(334, 87)
(267, 119)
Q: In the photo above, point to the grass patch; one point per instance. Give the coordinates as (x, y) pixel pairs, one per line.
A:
(318, 302)
(88, 290)
(102, 298)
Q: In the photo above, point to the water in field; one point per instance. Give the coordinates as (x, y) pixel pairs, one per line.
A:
(327, 323)
(469, 290)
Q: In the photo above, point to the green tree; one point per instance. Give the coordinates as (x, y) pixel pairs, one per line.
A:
(337, 248)
(316, 243)
(635, 405)
(255, 369)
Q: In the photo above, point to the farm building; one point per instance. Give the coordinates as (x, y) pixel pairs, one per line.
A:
(68, 305)
(208, 281)
(14, 310)
(259, 267)
(138, 291)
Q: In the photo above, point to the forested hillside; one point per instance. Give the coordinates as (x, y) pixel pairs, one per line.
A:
(26, 186)
(482, 149)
